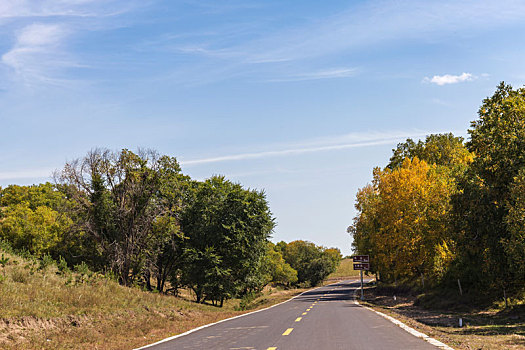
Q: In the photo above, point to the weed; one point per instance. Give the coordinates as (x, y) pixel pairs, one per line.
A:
(63, 269)
(45, 262)
(83, 270)
(20, 275)
(3, 261)
(247, 300)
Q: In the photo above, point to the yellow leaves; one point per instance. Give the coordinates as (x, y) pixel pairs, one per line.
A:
(405, 213)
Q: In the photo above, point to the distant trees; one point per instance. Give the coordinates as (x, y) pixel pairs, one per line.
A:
(276, 269)
(451, 210)
(312, 263)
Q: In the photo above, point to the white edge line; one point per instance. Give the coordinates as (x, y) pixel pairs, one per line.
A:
(227, 319)
(410, 330)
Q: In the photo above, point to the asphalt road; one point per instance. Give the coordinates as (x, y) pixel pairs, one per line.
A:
(322, 319)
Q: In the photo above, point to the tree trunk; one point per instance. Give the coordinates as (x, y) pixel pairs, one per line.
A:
(147, 279)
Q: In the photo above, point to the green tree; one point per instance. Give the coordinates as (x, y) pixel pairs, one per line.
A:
(227, 228)
(276, 269)
(514, 244)
(40, 231)
(116, 203)
(41, 195)
(488, 207)
(312, 263)
(34, 220)
(440, 149)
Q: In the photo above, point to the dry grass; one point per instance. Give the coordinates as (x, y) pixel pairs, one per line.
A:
(484, 329)
(46, 309)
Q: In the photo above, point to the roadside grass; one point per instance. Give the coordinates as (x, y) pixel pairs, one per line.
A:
(485, 327)
(345, 269)
(44, 307)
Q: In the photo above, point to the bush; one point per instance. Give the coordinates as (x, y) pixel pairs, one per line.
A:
(247, 301)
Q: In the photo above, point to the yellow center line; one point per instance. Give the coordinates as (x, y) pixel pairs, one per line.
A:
(304, 313)
(298, 319)
(308, 309)
(272, 348)
(288, 331)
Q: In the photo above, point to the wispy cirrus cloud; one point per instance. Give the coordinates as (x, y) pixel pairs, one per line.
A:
(449, 79)
(335, 73)
(311, 146)
(40, 31)
(37, 52)
(13, 9)
(334, 143)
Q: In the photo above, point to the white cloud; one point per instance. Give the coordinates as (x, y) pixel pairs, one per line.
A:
(39, 53)
(317, 75)
(340, 142)
(40, 35)
(449, 79)
(36, 53)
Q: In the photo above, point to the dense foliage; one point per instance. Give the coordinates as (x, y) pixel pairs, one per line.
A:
(135, 216)
(444, 210)
(312, 263)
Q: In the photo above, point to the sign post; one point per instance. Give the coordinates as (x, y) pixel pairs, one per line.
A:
(362, 293)
(361, 262)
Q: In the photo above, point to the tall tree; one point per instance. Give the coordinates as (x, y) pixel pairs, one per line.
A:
(116, 203)
(227, 228)
(489, 205)
(403, 220)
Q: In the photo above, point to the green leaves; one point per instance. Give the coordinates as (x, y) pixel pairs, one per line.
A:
(231, 225)
(438, 200)
(488, 212)
(312, 263)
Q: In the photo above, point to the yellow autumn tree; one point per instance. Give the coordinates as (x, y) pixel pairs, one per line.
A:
(403, 220)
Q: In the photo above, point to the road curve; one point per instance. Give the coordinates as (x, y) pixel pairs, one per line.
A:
(325, 318)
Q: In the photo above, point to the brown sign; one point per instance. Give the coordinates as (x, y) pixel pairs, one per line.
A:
(361, 258)
(362, 266)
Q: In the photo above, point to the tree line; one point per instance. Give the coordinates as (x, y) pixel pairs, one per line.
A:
(444, 210)
(137, 217)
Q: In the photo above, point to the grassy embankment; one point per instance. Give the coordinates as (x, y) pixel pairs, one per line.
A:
(44, 307)
(486, 325)
(344, 271)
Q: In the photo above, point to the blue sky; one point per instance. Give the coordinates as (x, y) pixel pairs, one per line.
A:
(299, 98)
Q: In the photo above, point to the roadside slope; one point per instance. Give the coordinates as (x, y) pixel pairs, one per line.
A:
(44, 307)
